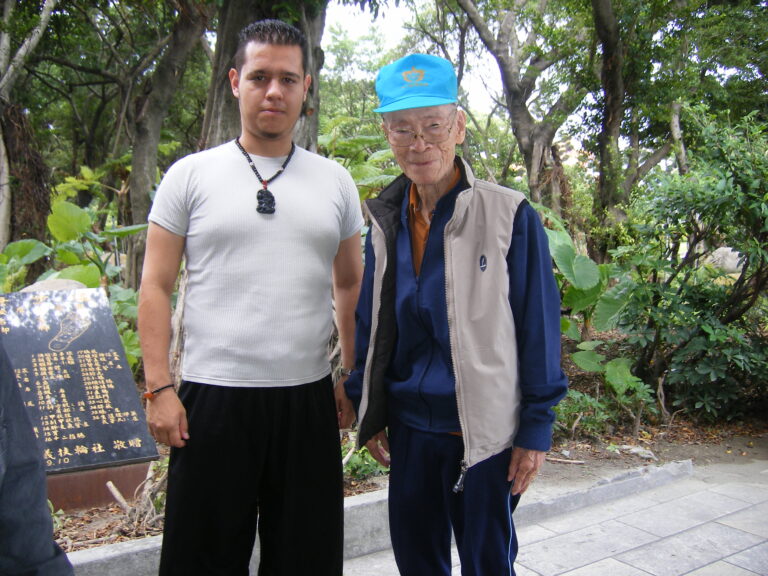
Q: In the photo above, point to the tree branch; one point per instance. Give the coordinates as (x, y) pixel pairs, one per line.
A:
(641, 171)
(29, 44)
(112, 78)
(486, 36)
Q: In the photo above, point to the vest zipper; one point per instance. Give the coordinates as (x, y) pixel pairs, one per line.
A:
(450, 305)
(459, 486)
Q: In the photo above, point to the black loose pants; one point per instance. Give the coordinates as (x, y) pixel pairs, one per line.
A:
(266, 457)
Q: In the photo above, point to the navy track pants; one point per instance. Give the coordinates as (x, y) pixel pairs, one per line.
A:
(423, 507)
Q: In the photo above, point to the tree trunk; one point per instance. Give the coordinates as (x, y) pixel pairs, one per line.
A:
(610, 191)
(222, 116)
(678, 144)
(5, 192)
(10, 68)
(31, 203)
(534, 138)
(152, 106)
(308, 127)
(676, 130)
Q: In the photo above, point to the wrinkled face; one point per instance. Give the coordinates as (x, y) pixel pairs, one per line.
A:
(424, 142)
(271, 87)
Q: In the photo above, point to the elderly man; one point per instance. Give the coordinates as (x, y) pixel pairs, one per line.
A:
(458, 337)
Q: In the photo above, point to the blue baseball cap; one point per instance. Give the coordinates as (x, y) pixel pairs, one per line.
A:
(416, 81)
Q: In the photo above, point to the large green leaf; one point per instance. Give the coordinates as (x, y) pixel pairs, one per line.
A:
(589, 344)
(125, 230)
(578, 300)
(26, 251)
(381, 156)
(379, 181)
(88, 274)
(619, 376)
(557, 238)
(123, 301)
(588, 360)
(570, 328)
(363, 171)
(586, 274)
(579, 270)
(69, 254)
(608, 309)
(131, 346)
(68, 221)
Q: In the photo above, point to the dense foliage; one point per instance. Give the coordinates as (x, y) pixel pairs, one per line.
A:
(697, 326)
(687, 335)
(692, 325)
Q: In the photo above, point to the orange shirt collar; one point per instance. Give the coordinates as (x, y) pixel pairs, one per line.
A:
(419, 226)
(414, 202)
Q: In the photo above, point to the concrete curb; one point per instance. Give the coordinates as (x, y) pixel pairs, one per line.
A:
(134, 558)
(625, 484)
(366, 525)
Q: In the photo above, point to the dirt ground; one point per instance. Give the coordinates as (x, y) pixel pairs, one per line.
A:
(579, 461)
(569, 463)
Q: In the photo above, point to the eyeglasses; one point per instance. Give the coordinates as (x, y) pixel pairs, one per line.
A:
(434, 133)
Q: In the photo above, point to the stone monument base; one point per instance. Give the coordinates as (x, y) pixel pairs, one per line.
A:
(88, 488)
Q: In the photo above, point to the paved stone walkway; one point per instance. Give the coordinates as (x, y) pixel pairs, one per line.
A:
(711, 523)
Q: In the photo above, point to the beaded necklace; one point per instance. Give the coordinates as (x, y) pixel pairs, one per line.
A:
(265, 199)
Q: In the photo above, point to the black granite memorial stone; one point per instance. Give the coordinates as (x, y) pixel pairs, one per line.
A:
(74, 379)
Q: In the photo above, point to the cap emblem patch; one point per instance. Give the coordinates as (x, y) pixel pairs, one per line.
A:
(414, 77)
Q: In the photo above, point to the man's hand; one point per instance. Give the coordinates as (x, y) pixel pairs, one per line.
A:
(344, 408)
(167, 419)
(523, 468)
(378, 447)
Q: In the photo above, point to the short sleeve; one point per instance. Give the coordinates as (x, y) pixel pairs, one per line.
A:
(352, 219)
(170, 207)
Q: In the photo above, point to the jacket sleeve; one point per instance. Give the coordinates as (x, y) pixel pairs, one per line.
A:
(354, 384)
(26, 529)
(535, 302)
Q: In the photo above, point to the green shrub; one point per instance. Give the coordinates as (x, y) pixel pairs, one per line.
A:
(698, 332)
(581, 414)
(361, 466)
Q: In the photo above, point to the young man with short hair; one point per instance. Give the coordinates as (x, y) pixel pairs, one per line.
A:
(269, 232)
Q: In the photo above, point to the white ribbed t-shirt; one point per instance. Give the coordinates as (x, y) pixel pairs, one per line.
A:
(258, 304)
